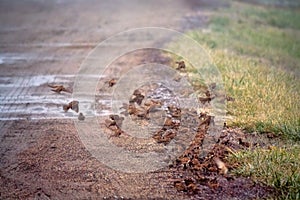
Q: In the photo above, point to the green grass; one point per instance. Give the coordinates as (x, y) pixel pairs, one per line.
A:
(283, 19)
(279, 3)
(257, 50)
(270, 34)
(277, 167)
(267, 99)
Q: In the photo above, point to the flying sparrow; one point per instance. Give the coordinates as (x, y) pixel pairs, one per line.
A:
(59, 88)
(73, 105)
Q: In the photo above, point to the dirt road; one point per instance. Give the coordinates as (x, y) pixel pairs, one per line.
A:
(45, 42)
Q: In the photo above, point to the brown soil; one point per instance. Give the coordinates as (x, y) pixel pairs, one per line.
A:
(51, 162)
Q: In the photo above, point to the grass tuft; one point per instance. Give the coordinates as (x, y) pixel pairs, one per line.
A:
(277, 167)
(267, 100)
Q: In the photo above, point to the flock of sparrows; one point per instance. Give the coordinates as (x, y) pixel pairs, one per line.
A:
(74, 105)
(140, 107)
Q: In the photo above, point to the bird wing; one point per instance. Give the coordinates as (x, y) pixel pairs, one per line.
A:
(55, 90)
(53, 86)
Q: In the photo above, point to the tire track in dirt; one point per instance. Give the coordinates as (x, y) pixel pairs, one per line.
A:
(29, 97)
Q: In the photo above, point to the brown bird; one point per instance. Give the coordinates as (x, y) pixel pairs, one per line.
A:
(118, 120)
(81, 117)
(205, 99)
(212, 86)
(117, 132)
(111, 82)
(142, 113)
(208, 97)
(110, 122)
(73, 105)
(131, 109)
(181, 65)
(169, 122)
(151, 105)
(221, 165)
(137, 97)
(114, 123)
(180, 186)
(228, 98)
(134, 109)
(207, 93)
(59, 88)
(225, 126)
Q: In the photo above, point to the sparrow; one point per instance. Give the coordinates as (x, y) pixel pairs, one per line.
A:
(114, 123)
(181, 65)
(151, 105)
(131, 109)
(73, 105)
(212, 86)
(142, 113)
(134, 109)
(169, 135)
(205, 99)
(208, 97)
(207, 119)
(59, 88)
(173, 108)
(207, 93)
(213, 184)
(81, 117)
(192, 187)
(114, 120)
(228, 98)
(118, 120)
(169, 122)
(117, 132)
(225, 125)
(152, 102)
(111, 82)
(180, 186)
(221, 165)
(137, 97)
(109, 123)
